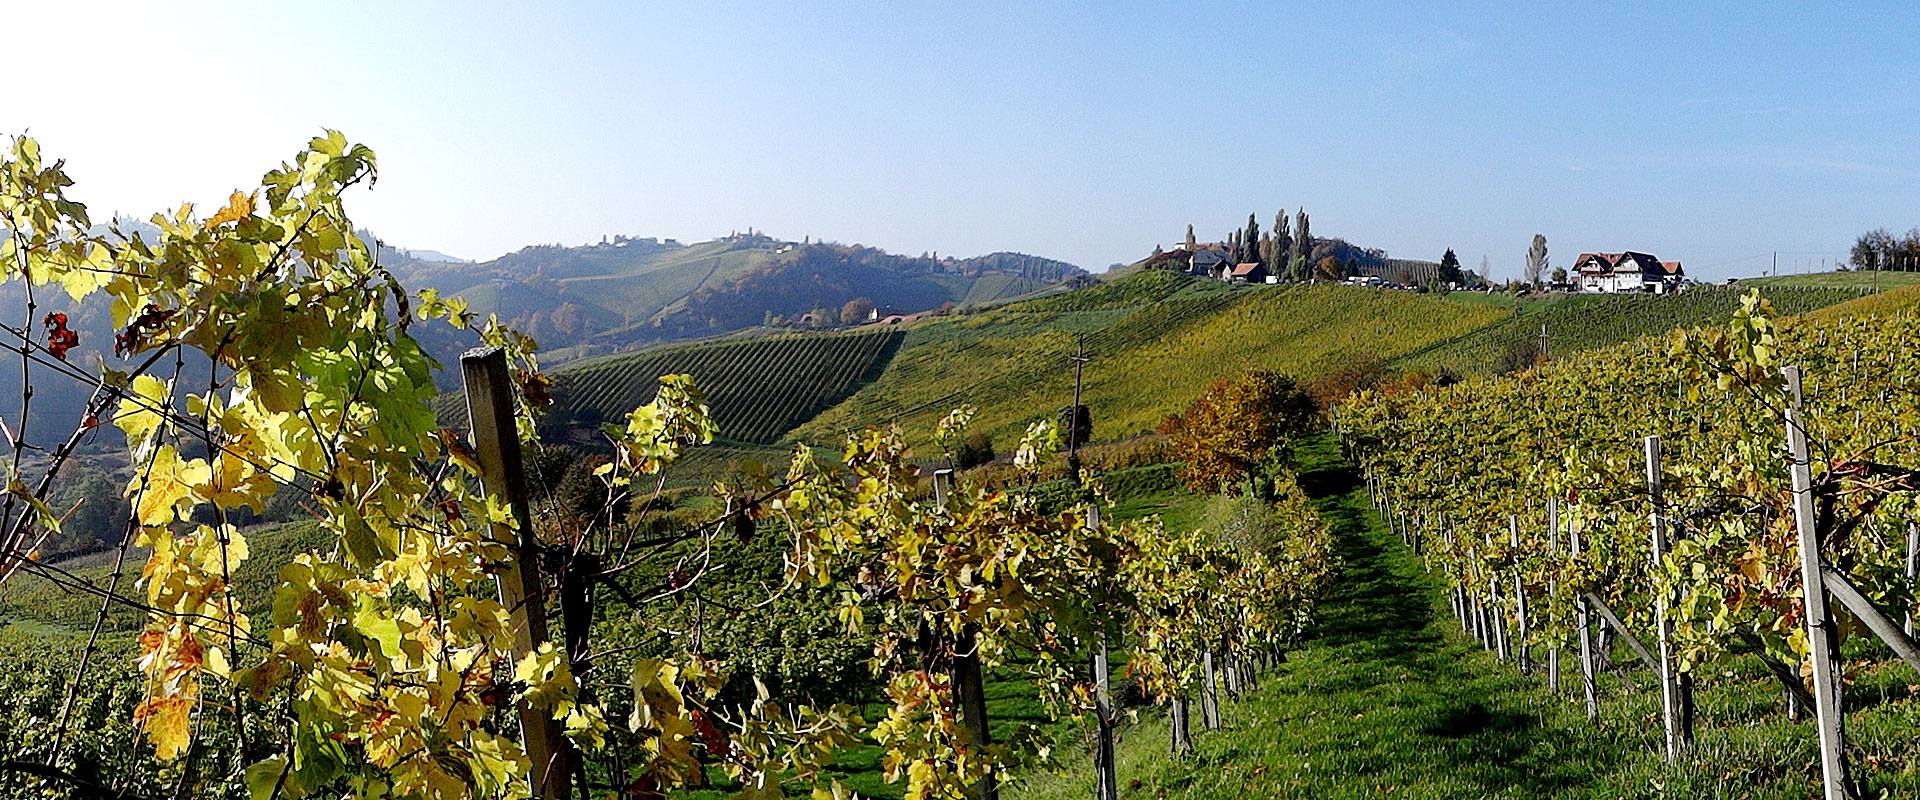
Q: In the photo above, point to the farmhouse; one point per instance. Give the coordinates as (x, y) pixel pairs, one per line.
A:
(1208, 262)
(1627, 271)
(1250, 272)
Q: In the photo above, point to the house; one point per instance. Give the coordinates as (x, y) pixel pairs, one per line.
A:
(1250, 272)
(1207, 261)
(1628, 271)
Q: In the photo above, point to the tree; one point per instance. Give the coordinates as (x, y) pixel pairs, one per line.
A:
(1282, 250)
(974, 450)
(1559, 274)
(1536, 259)
(1251, 240)
(1301, 265)
(1330, 268)
(1486, 269)
(1352, 373)
(1076, 428)
(856, 311)
(1874, 250)
(1450, 268)
(1238, 428)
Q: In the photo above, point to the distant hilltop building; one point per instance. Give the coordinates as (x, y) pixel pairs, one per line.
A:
(1617, 273)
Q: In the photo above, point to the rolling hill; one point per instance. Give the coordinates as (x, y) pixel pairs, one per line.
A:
(1155, 339)
(625, 293)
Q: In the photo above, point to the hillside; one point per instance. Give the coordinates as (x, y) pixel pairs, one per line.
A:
(1587, 321)
(758, 388)
(626, 293)
(1869, 280)
(1155, 338)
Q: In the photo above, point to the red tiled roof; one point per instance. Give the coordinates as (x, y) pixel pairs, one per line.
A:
(1243, 270)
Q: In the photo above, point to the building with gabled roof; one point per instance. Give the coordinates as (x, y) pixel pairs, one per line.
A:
(1627, 271)
(1248, 272)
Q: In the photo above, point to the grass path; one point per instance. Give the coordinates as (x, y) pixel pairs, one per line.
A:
(1387, 699)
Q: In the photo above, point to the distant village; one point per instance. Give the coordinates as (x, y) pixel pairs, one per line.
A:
(1329, 260)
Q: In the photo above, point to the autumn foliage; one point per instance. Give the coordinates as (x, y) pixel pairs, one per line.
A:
(1237, 428)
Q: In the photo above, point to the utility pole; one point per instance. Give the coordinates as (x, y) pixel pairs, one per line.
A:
(1079, 359)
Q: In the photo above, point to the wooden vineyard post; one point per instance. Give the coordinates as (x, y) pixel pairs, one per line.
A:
(1209, 692)
(496, 446)
(1821, 639)
(1589, 675)
(1673, 708)
(1553, 588)
(1109, 781)
(1913, 566)
(1522, 652)
(1178, 727)
(969, 685)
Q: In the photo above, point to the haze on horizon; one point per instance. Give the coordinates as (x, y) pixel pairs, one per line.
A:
(1716, 136)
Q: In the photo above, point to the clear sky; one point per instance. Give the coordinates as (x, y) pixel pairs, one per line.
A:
(1712, 133)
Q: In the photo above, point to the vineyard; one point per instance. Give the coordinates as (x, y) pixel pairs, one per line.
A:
(758, 388)
(472, 613)
(1587, 322)
(1156, 339)
(1640, 497)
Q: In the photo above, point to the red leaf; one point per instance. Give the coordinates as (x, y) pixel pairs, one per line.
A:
(59, 338)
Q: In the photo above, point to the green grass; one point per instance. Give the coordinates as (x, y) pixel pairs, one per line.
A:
(1388, 698)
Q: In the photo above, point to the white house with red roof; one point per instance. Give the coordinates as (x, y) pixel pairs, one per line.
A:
(1629, 271)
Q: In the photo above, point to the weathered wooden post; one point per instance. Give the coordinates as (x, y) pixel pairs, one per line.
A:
(1553, 588)
(1589, 672)
(1179, 727)
(1913, 567)
(1679, 728)
(1523, 652)
(1821, 635)
(497, 447)
(1209, 693)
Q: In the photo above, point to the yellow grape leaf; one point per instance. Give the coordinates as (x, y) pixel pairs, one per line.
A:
(167, 488)
(165, 719)
(84, 278)
(239, 207)
(139, 412)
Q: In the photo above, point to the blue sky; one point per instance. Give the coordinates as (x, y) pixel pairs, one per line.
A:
(1715, 133)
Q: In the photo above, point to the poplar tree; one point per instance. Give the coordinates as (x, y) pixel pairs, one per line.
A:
(1536, 259)
(1302, 267)
(1282, 250)
(1250, 241)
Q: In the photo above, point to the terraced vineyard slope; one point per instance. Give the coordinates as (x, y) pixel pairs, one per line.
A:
(759, 388)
